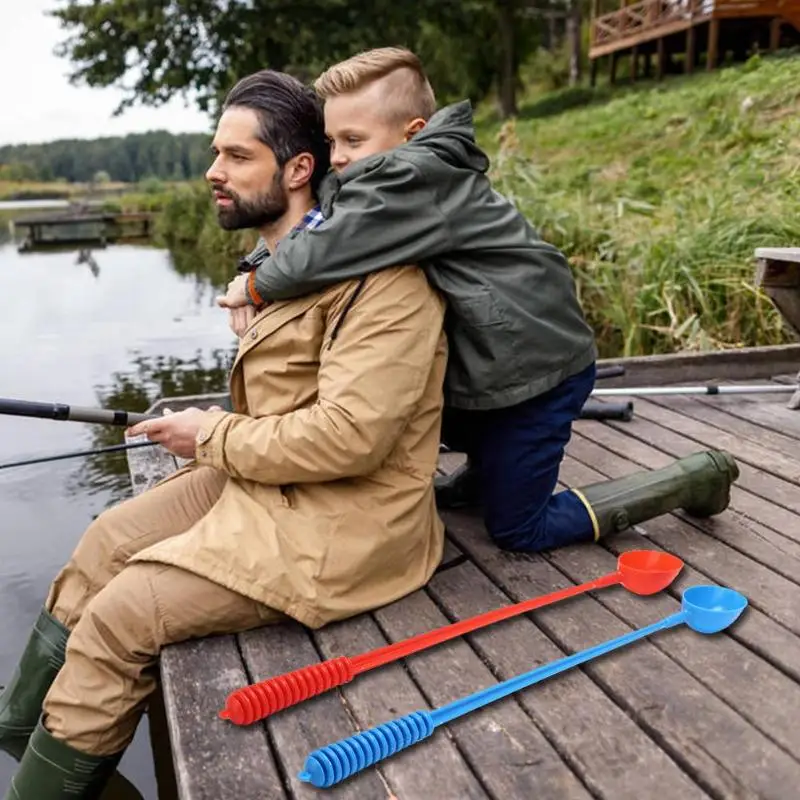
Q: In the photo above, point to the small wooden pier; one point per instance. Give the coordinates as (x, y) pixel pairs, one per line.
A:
(669, 36)
(678, 716)
(81, 227)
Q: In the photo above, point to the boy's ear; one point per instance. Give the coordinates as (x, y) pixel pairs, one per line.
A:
(414, 127)
(298, 171)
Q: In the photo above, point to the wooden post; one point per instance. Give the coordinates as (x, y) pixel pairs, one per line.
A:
(613, 73)
(713, 44)
(634, 63)
(593, 72)
(661, 60)
(775, 34)
(648, 65)
(691, 40)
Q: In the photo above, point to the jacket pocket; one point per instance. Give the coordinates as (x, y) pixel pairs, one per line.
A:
(478, 310)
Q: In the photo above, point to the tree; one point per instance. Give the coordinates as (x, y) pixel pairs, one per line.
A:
(157, 49)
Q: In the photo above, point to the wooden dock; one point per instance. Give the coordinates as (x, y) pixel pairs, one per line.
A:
(81, 227)
(679, 716)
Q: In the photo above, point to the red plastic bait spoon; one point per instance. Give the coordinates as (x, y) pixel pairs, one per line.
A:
(639, 571)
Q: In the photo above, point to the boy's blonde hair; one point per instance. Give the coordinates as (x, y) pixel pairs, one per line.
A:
(408, 90)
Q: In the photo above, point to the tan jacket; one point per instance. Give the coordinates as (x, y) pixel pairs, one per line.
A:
(331, 451)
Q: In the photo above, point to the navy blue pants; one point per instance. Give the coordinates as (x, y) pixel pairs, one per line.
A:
(518, 452)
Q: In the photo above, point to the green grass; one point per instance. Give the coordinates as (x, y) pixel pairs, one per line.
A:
(659, 195)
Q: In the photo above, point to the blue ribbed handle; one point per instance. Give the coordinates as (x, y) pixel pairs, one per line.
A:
(335, 762)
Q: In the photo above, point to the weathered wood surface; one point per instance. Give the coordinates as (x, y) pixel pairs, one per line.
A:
(676, 717)
(778, 274)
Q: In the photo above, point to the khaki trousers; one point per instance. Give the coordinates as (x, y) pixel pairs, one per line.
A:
(121, 615)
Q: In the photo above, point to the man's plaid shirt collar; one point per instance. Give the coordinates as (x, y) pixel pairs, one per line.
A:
(313, 218)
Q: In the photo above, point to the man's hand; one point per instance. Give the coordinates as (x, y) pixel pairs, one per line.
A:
(239, 319)
(237, 294)
(176, 432)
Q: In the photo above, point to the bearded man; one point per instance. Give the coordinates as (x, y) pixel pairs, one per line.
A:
(313, 499)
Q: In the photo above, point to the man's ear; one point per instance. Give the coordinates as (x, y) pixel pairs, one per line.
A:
(298, 171)
(414, 127)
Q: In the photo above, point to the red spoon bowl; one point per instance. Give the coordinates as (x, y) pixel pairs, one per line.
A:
(647, 571)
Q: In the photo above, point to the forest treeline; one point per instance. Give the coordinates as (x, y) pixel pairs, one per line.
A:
(129, 159)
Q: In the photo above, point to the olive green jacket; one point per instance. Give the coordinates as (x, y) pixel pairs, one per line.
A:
(514, 324)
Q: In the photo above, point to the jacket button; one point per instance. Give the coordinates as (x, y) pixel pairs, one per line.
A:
(253, 334)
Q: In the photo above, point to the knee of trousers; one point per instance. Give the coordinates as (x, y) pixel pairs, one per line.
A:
(90, 567)
(124, 616)
(552, 527)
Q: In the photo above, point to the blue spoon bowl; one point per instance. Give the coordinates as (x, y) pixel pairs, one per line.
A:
(711, 609)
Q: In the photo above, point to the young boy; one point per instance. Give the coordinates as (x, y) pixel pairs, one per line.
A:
(410, 186)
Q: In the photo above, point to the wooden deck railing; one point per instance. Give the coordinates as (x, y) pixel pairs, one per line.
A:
(648, 16)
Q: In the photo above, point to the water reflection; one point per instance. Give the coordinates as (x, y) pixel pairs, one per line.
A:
(151, 378)
(118, 333)
(205, 268)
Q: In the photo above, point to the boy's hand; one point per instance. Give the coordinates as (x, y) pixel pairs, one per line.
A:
(237, 293)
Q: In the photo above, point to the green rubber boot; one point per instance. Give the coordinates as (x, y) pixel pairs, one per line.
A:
(52, 770)
(21, 702)
(699, 484)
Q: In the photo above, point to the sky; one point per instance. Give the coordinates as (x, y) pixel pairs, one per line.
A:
(37, 102)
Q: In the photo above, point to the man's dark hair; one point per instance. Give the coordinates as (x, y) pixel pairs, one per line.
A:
(290, 117)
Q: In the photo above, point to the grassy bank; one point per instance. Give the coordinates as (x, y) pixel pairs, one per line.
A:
(658, 195)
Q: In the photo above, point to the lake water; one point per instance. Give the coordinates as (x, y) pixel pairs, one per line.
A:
(116, 327)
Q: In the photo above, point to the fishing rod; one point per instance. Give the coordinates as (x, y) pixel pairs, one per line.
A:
(63, 412)
(596, 411)
(712, 389)
(116, 448)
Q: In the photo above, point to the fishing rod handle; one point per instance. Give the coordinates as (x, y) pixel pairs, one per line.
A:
(252, 703)
(614, 371)
(338, 761)
(619, 411)
(64, 412)
(105, 416)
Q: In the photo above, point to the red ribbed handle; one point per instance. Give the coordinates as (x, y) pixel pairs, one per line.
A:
(252, 703)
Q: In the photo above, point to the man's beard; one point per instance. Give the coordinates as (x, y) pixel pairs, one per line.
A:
(265, 209)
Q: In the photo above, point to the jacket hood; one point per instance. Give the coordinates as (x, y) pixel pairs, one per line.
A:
(450, 134)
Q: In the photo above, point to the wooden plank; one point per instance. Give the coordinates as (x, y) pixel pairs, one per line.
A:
(384, 694)
(778, 274)
(766, 414)
(723, 752)
(750, 363)
(506, 750)
(724, 665)
(213, 760)
(720, 417)
(789, 254)
(779, 464)
(759, 630)
(452, 555)
(757, 518)
(590, 732)
(298, 730)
